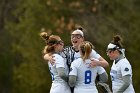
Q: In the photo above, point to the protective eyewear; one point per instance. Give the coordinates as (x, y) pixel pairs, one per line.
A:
(77, 36)
(109, 51)
(60, 42)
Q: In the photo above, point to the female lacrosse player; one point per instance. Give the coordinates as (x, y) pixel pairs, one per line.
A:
(58, 70)
(121, 71)
(81, 75)
(70, 53)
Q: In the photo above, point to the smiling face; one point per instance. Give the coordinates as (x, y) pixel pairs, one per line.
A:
(76, 39)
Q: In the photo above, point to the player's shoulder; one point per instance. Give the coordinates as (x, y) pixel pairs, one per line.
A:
(94, 54)
(77, 61)
(94, 51)
(124, 61)
(57, 56)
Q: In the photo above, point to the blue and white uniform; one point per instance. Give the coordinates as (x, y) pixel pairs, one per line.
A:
(58, 84)
(118, 70)
(86, 76)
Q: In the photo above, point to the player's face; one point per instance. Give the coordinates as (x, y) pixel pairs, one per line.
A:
(113, 54)
(110, 54)
(60, 45)
(76, 39)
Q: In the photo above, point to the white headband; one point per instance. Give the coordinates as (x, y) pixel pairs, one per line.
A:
(80, 32)
(111, 46)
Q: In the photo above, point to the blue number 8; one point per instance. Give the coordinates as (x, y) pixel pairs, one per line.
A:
(87, 77)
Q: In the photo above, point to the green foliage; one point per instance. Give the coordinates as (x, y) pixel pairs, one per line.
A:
(23, 69)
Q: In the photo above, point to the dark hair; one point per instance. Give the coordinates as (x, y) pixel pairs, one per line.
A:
(117, 40)
(79, 28)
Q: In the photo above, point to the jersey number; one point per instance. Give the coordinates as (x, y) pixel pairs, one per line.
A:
(87, 77)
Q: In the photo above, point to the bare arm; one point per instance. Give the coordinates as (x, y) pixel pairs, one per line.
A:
(100, 62)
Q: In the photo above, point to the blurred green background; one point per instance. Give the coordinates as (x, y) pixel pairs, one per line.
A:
(23, 69)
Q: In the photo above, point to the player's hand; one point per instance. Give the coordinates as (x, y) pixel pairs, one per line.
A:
(94, 62)
(49, 58)
(52, 60)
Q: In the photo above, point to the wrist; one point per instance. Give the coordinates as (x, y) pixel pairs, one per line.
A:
(98, 63)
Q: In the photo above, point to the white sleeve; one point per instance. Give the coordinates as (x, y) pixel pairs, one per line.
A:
(126, 69)
(73, 69)
(100, 70)
(94, 54)
(59, 61)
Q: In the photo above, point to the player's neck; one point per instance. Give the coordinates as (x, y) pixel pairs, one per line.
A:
(76, 49)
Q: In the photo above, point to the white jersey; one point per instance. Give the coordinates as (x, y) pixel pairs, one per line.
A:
(58, 84)
(70, 55)
(93, 54)
(86, 76)
(118, 70)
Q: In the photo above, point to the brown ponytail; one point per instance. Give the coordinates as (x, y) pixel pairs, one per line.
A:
(51, 41)
(85, 49)
(44, 36)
